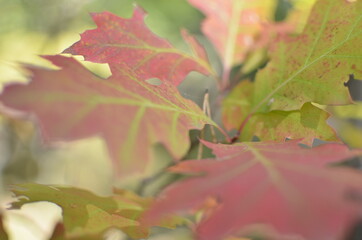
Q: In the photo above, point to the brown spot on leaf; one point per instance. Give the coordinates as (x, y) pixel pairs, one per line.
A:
(354, 67)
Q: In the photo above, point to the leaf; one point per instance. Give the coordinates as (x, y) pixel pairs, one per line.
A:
(350, 132)
(282, 185)
(85, 213)
(119, 41)
(349, 111)
(236, 106)
(129, 114)
(3, 233)
(309, 68)
(299, 13)
(59, 233)
(313, 66)
(233, 26)
(309, 122)
(88, 216)
(347, 119)
(235, 238)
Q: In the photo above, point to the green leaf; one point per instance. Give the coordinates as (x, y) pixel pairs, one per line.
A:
(350, 111)
(85, 213)
(313, 66)
(348, 119)
(309, 122)
(3, 234)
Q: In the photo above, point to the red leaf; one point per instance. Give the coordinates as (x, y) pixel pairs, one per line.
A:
(129, 41)
(131, 115)
(280, 185)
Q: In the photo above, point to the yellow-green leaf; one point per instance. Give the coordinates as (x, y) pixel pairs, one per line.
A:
(313, 66)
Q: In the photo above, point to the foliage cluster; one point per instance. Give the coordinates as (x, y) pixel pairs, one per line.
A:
(277, 86)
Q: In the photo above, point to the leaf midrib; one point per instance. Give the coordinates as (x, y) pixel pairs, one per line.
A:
(182, 54)
(102, 100)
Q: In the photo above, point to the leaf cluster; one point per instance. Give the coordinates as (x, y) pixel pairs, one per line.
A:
(277, 88)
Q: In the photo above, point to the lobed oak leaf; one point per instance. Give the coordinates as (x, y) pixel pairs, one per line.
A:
(119, 41)
(283, 187)
(131, 115)
(313, 66)
(85, 214)
(308, 123)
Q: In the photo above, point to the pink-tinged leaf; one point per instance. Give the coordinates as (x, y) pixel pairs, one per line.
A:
(131, 115)
(233, 26)
(119, 41)
(280, 186)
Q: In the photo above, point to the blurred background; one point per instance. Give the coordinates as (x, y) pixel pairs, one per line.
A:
(29, 28)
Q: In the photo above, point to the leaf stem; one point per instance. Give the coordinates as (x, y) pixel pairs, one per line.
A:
(241, 128)
(207, 111)
(201, 146)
